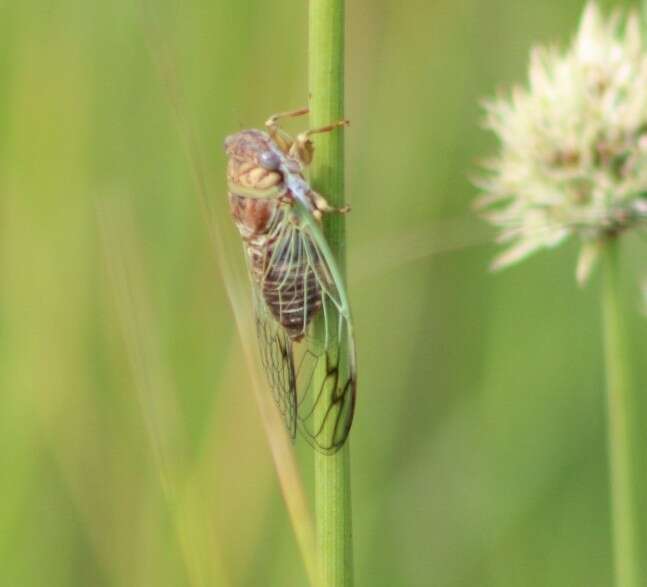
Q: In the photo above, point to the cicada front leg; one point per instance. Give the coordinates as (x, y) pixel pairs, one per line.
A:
(282, 139)
(300, 148)
(303, 148)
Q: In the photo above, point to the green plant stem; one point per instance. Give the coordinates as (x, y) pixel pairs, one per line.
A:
(326, 85)
(622, 404)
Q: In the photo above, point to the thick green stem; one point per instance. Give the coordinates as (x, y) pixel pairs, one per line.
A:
(326, 84)
(622, 441)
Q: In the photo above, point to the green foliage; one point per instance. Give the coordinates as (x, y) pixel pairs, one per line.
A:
(131, 451)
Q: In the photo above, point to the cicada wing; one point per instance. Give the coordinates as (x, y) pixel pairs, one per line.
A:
(326, 388)
(325, 363)
(310, 367)
(277, 358)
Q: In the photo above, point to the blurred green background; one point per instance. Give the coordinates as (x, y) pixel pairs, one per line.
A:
(131, 449)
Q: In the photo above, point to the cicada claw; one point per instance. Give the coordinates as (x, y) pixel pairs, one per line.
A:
(321, 205)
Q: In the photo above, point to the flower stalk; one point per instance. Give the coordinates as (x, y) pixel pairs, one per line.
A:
(573, 163)
(326, 85)
(622, 403)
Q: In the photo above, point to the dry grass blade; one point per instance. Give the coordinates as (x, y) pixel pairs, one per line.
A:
(442, 236)
(237, 289)
(153, 385)
(155, 390)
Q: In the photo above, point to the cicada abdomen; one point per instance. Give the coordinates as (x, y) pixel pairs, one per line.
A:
(281, 265)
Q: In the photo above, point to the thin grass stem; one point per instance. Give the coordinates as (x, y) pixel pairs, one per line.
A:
(326, 84)
(621, 405)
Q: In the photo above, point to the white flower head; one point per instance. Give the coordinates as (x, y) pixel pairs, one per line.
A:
(573, 155)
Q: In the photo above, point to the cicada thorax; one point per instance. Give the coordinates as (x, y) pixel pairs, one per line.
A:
(283, 265)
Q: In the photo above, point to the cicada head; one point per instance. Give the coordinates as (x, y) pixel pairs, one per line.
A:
(254, 162)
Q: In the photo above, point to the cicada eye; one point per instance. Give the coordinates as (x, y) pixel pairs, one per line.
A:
(269, 160)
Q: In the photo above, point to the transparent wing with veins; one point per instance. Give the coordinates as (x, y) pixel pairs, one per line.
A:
(312, 375)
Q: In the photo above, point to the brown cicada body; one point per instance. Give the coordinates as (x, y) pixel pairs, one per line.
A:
(295, 279)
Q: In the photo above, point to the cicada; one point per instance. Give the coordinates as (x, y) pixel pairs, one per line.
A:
(303, 318)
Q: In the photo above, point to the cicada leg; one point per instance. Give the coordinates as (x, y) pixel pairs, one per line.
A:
(282, 139)
(303, 148)
(322, 206)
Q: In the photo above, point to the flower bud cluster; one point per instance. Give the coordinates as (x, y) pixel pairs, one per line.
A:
(573, 153)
